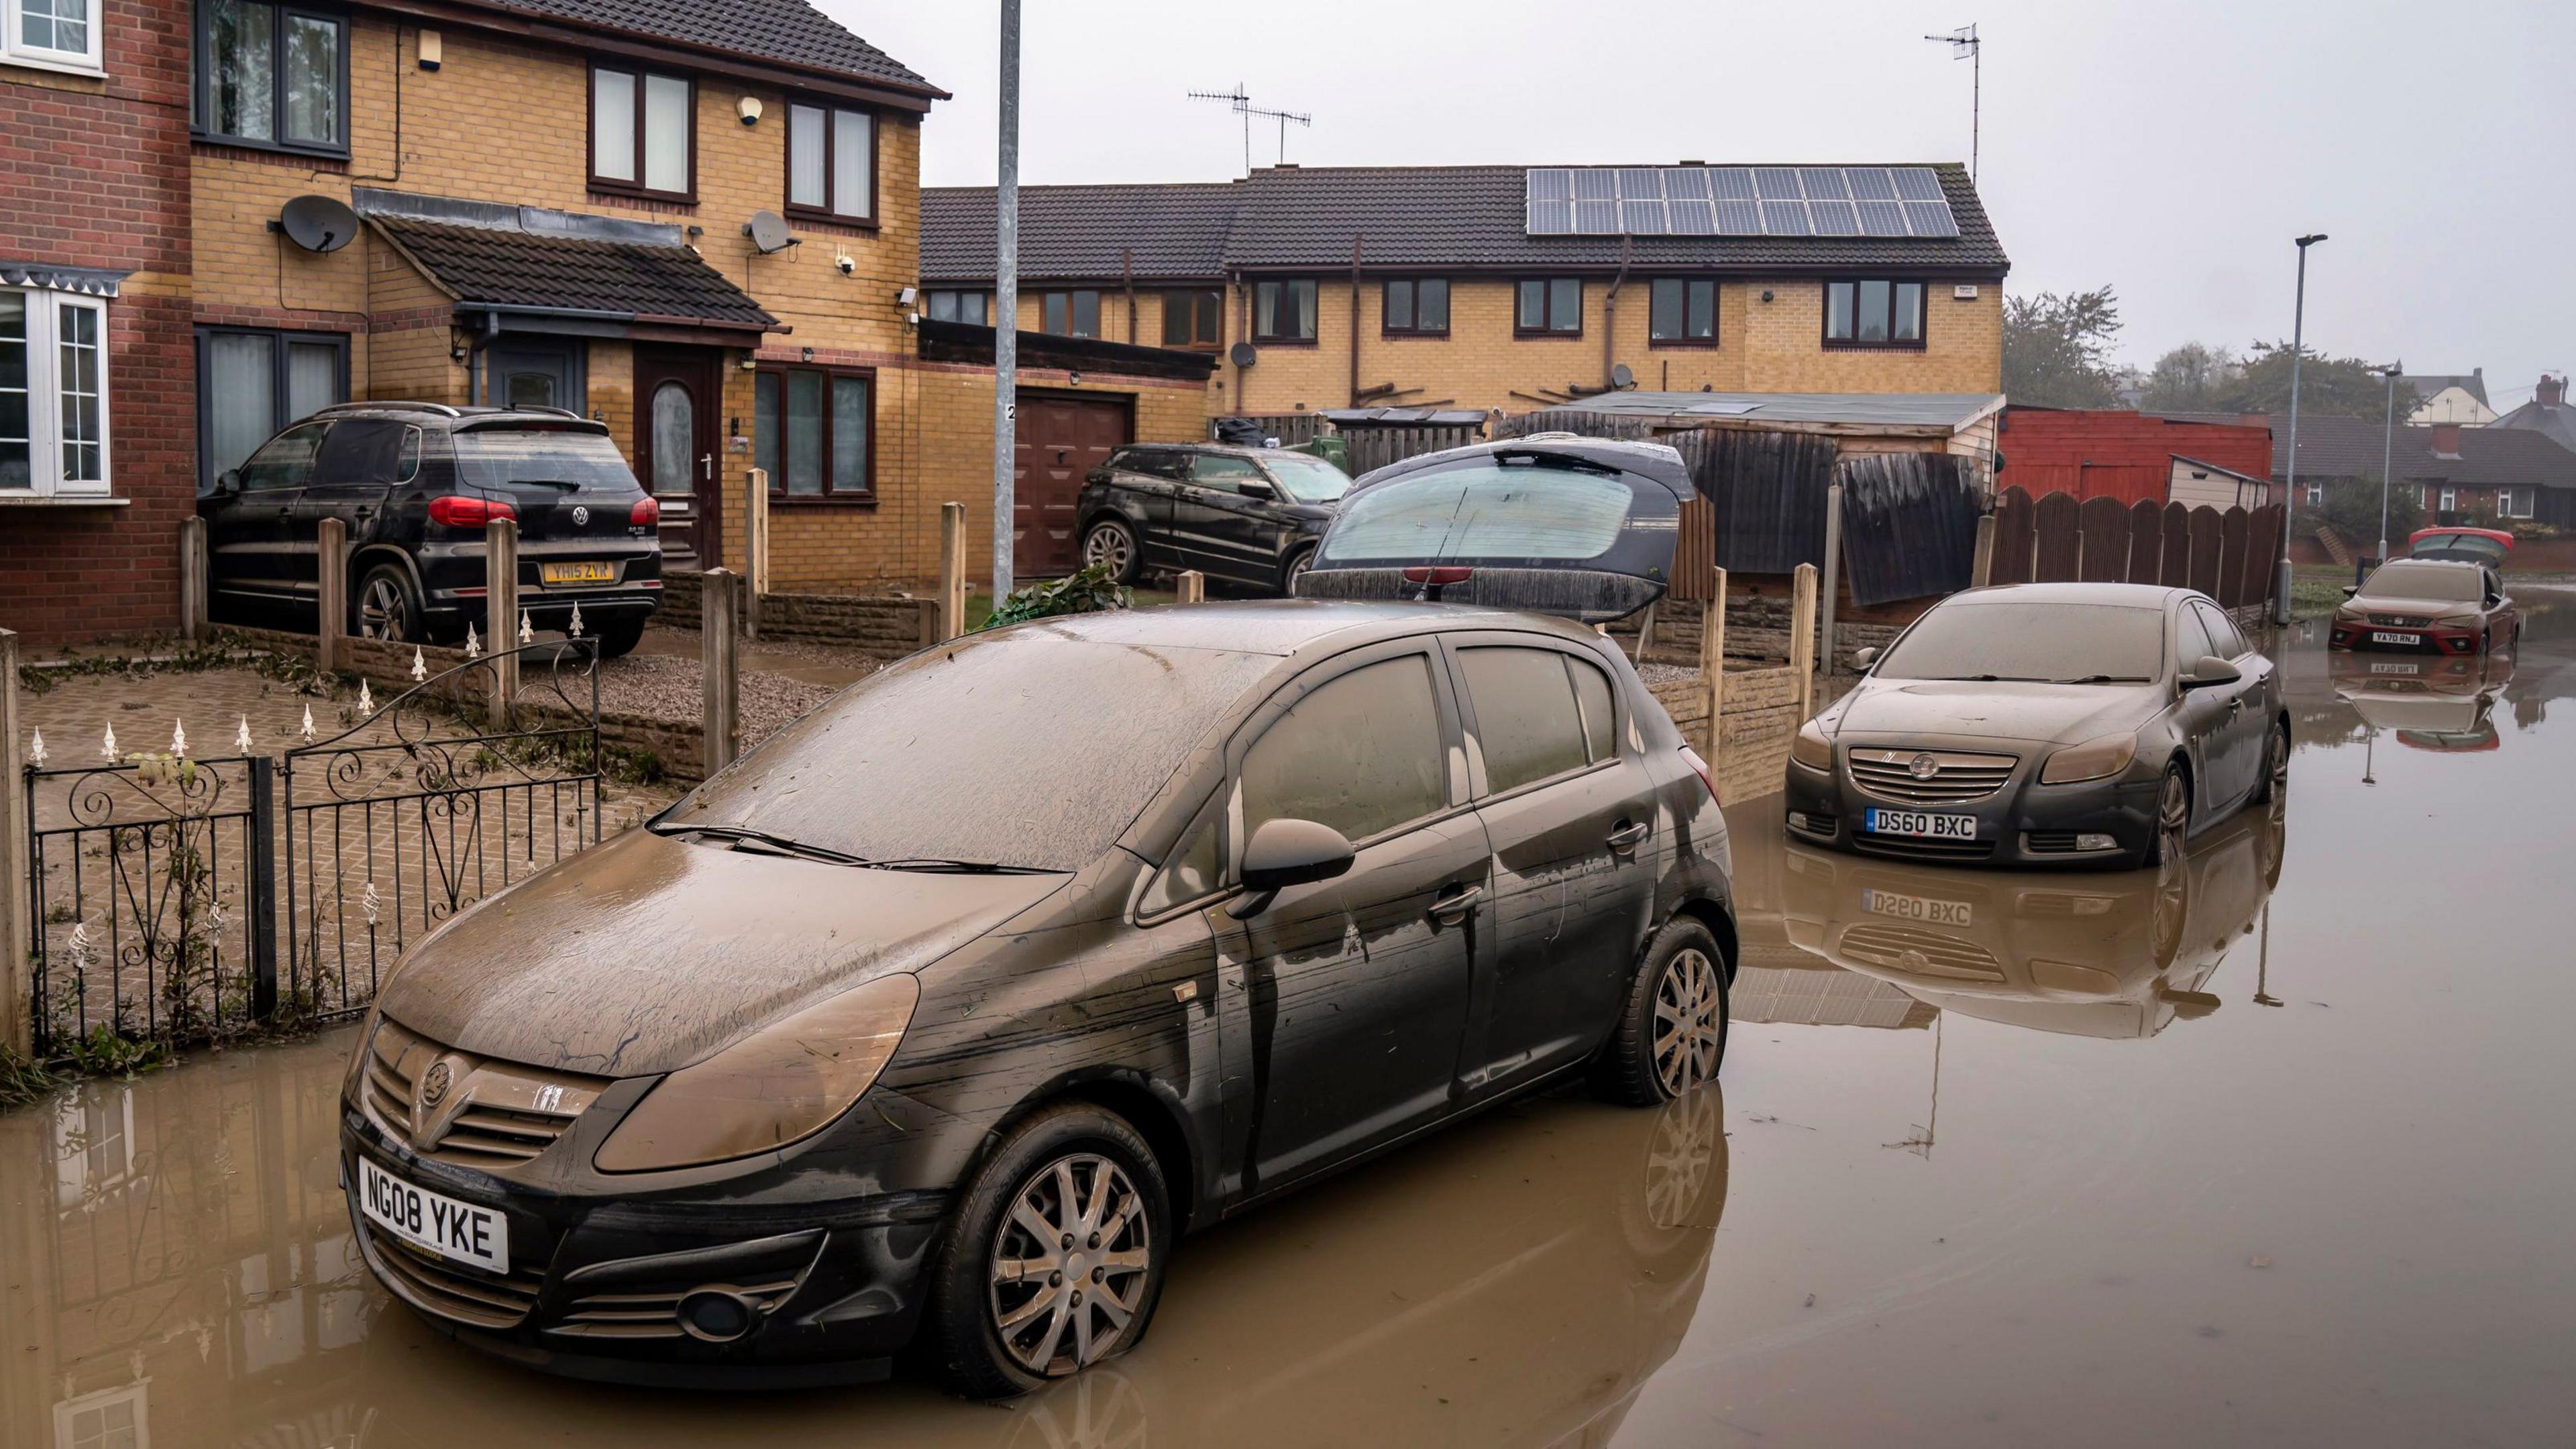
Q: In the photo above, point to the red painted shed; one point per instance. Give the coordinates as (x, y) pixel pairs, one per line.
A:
(2118, 454)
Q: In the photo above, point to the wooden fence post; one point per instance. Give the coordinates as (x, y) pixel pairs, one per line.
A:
(193, 562)
(1802, 638)
(722, 719)
(1192, 586)
(755, 563)
(501, 613)
(17, 986)
(1712, 664)
(952, 570)
(331, 563)
(1982, 572)
(1833, 580)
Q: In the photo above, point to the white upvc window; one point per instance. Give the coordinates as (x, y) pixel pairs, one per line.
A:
(2516, 502)
(51, 34)
(53, 393)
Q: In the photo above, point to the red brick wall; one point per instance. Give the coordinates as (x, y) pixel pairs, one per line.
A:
(2123, 455)
(95, 174)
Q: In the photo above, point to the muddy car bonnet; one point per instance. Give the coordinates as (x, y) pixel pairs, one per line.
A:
(1582, 528)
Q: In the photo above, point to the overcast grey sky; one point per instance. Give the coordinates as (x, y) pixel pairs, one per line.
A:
(2170, 149)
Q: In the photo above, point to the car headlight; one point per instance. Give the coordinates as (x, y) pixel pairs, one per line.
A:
(2091, 760)
(2459, 621)
(1810, 747)
(782, 1083)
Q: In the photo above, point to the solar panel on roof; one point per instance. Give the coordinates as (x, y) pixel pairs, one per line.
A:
(1785, 218)
(1824, 183)
(1596, 218)
(1596, 184)
(1775, 181)
(1693, 216)
(1834, 218)
(1870, 183)
(1551, 185)
(1642, 218)
(1684, 183)
(1551, 218)
(1639, 183)
(1917, 183)
(1882, 218)
(1930, 218)
(1731, 181)
(1739, 216)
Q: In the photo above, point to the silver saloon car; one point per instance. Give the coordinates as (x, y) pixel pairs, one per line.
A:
(2045, 724)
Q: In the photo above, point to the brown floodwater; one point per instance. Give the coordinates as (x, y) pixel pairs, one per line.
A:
(2276, 1145)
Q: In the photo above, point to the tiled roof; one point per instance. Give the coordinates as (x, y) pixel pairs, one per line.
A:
(1430, 216)
(1076, 233)
(511, 268)
(2332, 447)
(2430, 384)
(788, 31)
(2555, 421)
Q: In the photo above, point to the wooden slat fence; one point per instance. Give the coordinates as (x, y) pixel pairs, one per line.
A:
(1909, 524)
(2227, 554)
(1372, 448)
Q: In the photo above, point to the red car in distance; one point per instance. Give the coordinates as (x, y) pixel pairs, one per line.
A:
(2439, 606)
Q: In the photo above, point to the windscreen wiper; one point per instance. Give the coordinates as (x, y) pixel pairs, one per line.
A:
(1994, 679)
(2103, 679)
(742, 835)
(961, 867)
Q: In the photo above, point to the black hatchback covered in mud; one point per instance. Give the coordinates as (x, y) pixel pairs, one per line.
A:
(415, 484)
(933, 1022)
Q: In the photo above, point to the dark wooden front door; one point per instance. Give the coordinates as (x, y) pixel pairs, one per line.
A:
(676, 448)
(1056, 441)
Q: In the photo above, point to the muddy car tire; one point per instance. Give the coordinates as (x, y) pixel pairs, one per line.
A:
(1671, 1035)
(386, 606)
(1113, 543)
(995, 1328)
(2168, 835)
(2276, 764)
(1295, 569)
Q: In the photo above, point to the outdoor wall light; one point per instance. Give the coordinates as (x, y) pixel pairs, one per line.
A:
(809, 354)
(1074, 378)
(1766, 294)
(749, 109)
(905, 297)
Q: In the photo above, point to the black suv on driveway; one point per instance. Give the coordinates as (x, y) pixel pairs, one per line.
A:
(416, 483)
(1246, 515)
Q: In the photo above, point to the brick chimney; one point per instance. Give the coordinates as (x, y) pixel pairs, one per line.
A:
(2446, 440)
(2551, 390)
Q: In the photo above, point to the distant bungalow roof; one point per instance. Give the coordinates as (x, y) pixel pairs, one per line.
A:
(1928, 412)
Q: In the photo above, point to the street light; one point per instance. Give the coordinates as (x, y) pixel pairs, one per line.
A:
(2388, 454)
(2290, 500)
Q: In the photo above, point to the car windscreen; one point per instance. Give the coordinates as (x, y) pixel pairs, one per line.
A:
(1308, 479)
(2441, 583)
(2031, 641)
(1486, 509)
(1020, 747)
(499, 457)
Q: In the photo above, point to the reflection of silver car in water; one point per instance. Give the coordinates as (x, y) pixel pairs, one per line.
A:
(2430, 704)
(2107, 956)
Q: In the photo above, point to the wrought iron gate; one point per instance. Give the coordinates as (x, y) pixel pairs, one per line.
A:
(161, 886)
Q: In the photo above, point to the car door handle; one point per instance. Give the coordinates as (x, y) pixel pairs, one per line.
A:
(1625, 838)
(1453, 905)
(2235, 705)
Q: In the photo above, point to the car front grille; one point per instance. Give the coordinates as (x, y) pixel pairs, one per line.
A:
(1814, 822)
(2050, 842)
(491, 1115)
(2400, 621)
(655, 1315)
(1955, 779)
(1924, 953)
(450, 1290)
(1908, 847)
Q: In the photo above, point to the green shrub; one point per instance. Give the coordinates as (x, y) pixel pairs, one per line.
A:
(1090, 591)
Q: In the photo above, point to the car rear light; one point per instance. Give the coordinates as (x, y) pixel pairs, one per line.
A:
(647, 512)
(463, 510)
(1699, 767)
(1438, 575)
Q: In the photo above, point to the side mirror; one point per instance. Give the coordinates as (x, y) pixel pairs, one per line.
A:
(1256, 488)
(228, 481)
(1864, 658)
(2351, 589)
(2210, 672)
(2187, 1005)
(1284, 853)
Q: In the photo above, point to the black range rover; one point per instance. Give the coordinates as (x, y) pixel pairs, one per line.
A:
(1249, 516)
(416, 483)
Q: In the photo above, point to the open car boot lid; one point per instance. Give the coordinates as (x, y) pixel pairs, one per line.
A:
(2466, 545)
(1581, 528)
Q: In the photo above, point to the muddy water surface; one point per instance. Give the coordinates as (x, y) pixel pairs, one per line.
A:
(2273, 1145)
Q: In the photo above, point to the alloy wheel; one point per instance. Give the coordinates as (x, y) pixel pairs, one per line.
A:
(2173, 815)
(2279, 762)
(381, 611)
(1069, 1265)
(1690, 1025)
(1298, 567)
(1108, 546)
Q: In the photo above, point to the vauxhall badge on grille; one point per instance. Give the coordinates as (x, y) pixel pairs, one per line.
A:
(1923, 767)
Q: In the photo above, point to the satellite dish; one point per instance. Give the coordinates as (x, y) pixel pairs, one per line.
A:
(768, 232)
(1243, 354)
(318, 223)
(1621, 377)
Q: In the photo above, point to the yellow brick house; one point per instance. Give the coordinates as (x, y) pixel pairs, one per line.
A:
(1508, 287)
(695, 221)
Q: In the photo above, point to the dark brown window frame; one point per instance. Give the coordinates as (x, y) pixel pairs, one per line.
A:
(829, 498)
(831, 142)
(1448, 296)
(1716, 315)
(984, 294)
(590, 131)
(1556, 333)
(201, 84)
(1100, 310)
(1284, 339)
(1922, 316)
(1200, 298)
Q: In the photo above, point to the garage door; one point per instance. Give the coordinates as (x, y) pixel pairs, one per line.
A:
(1057, 440)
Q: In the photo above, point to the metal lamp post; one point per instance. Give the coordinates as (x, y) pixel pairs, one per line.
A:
(2388, 454)
(1006, 305)
(2290, 485)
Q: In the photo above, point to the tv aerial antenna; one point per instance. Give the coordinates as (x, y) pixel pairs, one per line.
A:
(1964, 45)
(1242, 105)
